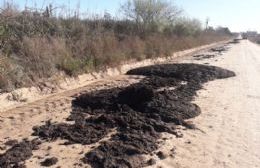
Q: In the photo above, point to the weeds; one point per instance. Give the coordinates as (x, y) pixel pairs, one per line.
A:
(37, 46)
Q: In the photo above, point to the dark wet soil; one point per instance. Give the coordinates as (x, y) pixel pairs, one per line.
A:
(80, 132)
(18, 153)
(139, 113)
(11, 142)
(186, 72)
(235, 41)
(219, 49)
(161, 155)
(49, 162)
(203, 56)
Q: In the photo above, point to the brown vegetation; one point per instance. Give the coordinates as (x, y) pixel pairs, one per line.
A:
(37, 45)
(255, 39)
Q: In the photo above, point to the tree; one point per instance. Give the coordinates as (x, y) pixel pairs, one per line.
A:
(150, 13)
(223, 30)
(187, 27)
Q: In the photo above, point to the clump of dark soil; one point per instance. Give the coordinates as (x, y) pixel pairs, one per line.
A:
(235, 41)
(49, 162)
(219, 49)
(185, 72)
(11, 142)
(161, 155)
(139, 113)
(204, 56)
(17, 154)
(81, 132)
(151, 162)
(115, 154)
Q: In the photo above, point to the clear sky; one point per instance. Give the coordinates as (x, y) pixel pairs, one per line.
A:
(238, 15)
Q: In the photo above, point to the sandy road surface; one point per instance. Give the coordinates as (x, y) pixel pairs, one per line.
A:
(230, 118)
(229, 126)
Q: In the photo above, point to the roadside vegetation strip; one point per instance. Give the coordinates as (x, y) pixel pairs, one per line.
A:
(40, 45)
(139, 113)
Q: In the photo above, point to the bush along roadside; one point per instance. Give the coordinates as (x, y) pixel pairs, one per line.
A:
(38, 45)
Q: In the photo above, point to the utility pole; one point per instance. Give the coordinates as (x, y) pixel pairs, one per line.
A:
(207, 23)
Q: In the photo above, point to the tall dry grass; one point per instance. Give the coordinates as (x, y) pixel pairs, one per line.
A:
(34, 47)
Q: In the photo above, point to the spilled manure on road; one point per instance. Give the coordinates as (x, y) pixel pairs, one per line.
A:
(139, 113)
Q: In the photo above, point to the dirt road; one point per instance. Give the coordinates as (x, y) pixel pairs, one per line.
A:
(230, 118)
(228, 133)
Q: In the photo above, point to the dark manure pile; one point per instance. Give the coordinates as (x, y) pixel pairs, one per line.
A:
(235, 41)
(139, 113)
(49, 162)
(219, 49)
(203, 56)
(185, 72)
(18, 154)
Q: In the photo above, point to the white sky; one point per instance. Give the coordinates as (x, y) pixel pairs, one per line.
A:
(238, 15)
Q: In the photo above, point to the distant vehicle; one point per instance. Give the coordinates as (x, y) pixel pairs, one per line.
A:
(244, 36)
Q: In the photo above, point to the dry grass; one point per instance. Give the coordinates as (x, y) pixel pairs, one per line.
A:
(34, 48)
(255, 39)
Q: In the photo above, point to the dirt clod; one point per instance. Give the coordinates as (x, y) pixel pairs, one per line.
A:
(203, 56)
(161, 155)
(17, 154)
(82, 132)
(11, 142)
(49, 162)
(219, 49)
(151, 162)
